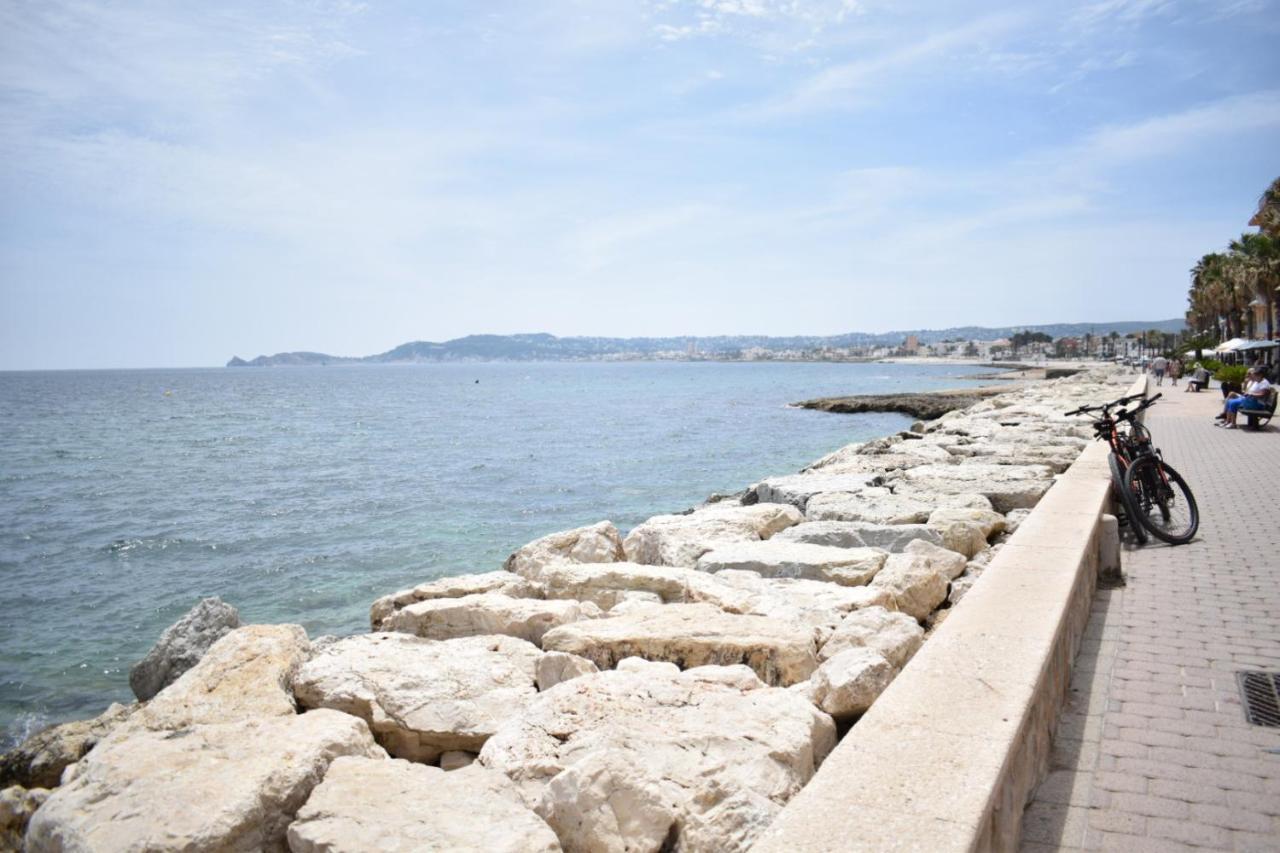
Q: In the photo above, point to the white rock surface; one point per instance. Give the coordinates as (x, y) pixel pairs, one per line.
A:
(1006, 486)
(774, 559)
(679, 540)
(878, 506)
(597, 543)
(502, 582)
(631, 759)
(423, 697)
(949, 562)
(895, 635)
(989, 521)
(219, 786)
(848, 682)
(693, 635)
(917, 586)
(796, 489)
(606, 584)
(854, 534)
(393, 806)
(557, 667)
(244, 675)
(39, 761)
(482, 615)
(182, 645)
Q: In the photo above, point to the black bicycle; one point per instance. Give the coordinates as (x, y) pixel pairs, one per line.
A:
(1155, 498)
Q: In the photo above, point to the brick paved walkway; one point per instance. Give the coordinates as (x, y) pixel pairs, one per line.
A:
(1152, 751)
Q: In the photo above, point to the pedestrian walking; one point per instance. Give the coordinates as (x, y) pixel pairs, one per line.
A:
(1175, 370)
(1158, 365)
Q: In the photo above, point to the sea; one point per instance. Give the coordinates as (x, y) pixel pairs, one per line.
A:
(302, 494)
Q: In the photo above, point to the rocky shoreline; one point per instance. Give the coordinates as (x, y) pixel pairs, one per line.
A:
(670, 689)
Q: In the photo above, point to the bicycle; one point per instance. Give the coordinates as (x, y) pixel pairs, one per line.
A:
(1155, 498)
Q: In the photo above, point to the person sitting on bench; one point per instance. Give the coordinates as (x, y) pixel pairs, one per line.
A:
(1199, 378)
(1256, 388)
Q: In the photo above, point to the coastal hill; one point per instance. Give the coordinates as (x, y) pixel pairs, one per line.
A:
(544, 347)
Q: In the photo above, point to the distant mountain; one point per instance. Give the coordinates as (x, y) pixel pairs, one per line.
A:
(544, 347)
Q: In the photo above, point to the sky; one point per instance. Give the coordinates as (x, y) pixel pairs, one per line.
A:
(181, 182)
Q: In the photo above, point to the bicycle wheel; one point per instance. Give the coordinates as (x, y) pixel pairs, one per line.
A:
(1126, 501)
(1162, 500)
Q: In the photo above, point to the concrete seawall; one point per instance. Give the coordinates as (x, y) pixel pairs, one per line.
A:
(950, 754)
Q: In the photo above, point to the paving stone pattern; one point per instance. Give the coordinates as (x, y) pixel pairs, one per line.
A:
(1152, 751)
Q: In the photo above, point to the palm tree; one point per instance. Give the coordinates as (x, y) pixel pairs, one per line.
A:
(1267, 217)
(1256, 260)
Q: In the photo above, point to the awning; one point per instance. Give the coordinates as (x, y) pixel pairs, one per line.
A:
(1252, 345)
(1231, 345)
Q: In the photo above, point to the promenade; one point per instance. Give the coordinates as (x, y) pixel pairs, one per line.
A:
(1152, 750)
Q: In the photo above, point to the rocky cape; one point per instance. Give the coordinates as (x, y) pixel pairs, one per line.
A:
(667, 690)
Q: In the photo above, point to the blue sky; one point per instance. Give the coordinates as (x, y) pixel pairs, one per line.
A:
(180, 182)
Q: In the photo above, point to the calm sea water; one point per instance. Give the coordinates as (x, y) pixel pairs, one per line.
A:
(301, 494)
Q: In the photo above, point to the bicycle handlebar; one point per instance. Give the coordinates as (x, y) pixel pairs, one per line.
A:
(1106, 408)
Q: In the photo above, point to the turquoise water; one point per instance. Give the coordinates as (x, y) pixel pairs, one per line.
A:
(302, 494)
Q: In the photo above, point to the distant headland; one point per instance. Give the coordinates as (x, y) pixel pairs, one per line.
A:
(851, 346)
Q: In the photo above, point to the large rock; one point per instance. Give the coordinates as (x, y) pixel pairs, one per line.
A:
(818, 604)
(679, 540)
(949, 562)
(17, 805)
(878, 506)
(897, 636)
(774, 559)
(481, 615)
(182, 645)
(218, 786)
(796, 489)
(848, 682)
(916, 584)
(989, 521)
(693, 635)
(606, 584)
(502, 582)
(557, 667)
(1006, 486)
(423, 697)
(39, 760)
(598, 543)
(649, 758)
(246, 674)
(366, 805)
(859, 534)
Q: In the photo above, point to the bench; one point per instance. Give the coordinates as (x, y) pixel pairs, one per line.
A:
(1260, 416)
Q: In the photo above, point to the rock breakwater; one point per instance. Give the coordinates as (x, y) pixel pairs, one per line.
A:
(670, 689)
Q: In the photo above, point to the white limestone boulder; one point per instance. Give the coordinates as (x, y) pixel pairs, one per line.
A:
(392, 805)
(949, 562)
(596, 543)
(850, 681)
(246, 674)
(965, 538)
(917, 586)
(990, 521)
(17, 805)
(1006, 486)
(878, 506)
(648, 758)
(500, 582)
(897, 636)
(817, 604)
(482, 615)
(606, 584)
(423, 697)
(679, 540)
(216, 786)
(693, 635)
(557, 667)
(774, 559)
(796, 489)
(859, 534)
